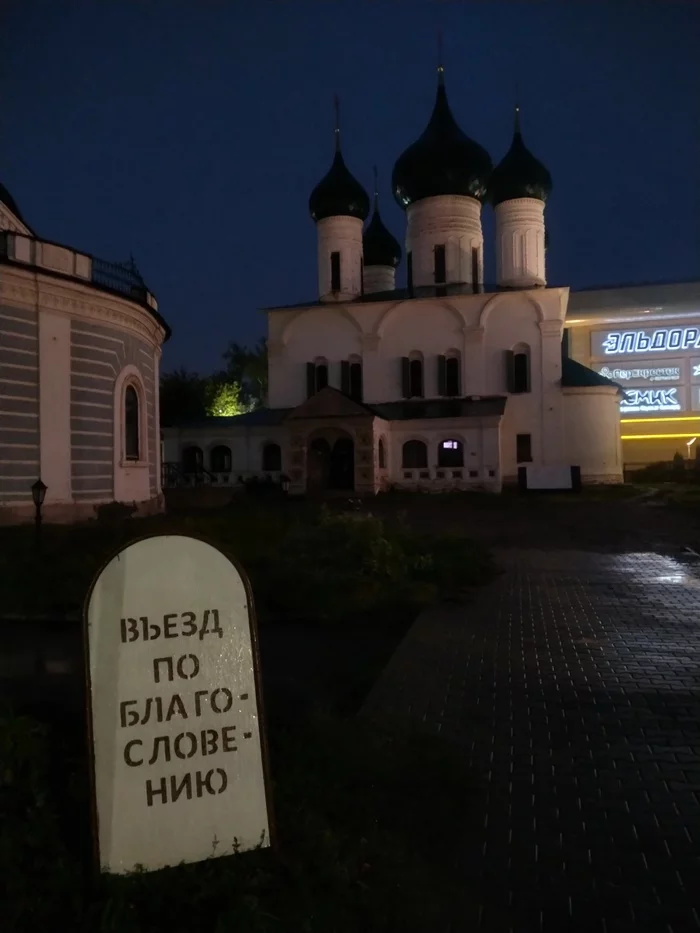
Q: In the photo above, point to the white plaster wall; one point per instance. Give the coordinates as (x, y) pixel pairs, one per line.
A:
(451, 220)
(379, 279)
(343, 235)
(54, 405)
(246, 445)
(520, 253)
(592, 433)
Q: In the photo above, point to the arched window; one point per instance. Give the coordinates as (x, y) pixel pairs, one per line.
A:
(192, 459)
(381, 454)
(450, 454)
(519, 369)
(271, 458)
(449, 374)
(351, 377)
(132, 426)
(412, 375)
(316, 376)
(414, 456)
(220, 459)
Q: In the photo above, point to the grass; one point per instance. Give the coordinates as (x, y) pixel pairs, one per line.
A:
(358, 848)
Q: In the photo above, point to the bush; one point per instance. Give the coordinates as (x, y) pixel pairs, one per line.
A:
(303, 562)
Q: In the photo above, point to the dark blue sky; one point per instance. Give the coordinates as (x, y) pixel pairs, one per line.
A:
(191, 134)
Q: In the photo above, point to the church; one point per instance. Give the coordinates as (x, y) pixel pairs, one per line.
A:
(444, 383)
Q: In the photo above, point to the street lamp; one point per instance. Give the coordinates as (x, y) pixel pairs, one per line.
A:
(38, 495)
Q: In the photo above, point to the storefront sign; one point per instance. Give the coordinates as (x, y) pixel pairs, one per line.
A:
(177, 741)
(695, 370)
(649, 400)
(642, 374)
(647, 340)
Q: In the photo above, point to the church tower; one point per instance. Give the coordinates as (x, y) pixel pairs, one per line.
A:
(339, 205)
(518, 190)
(441, 183)
(382, 253)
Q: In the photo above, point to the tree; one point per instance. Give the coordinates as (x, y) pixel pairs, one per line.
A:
(247, 367)
(223, 398)
(182, 397)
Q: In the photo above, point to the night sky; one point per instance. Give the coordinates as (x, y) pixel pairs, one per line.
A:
(191, 134)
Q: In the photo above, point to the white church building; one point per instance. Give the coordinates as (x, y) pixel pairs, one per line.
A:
(444, 383)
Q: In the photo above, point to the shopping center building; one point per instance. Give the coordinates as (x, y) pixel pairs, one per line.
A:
(647, 339)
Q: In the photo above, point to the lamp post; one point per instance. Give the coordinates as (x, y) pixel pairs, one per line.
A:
(38, 496)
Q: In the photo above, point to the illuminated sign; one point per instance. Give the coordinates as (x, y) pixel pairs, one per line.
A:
(653, 372)
(650, 400)
(632, 342)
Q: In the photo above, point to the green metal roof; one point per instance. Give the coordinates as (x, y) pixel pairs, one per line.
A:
(576, 375)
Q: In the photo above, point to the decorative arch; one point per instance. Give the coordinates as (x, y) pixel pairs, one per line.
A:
(130, 418)
(504, 296)
(335, 309)
(383, 320)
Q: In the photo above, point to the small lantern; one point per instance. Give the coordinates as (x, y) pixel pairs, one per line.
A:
(39, 493)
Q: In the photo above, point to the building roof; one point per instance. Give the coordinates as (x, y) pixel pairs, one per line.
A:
(443, 160)
(646, 297)
(258, 418)
(9, 202)
(419, 409)
(576, 375)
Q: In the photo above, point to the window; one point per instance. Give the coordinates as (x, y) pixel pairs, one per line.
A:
(351, 378)
(439, 264)
(271, 458)
(412, 375)
(523, 448)
(449, 376)
(192, 459)
(132, 440)
(335, 272)
(450, 454)
(220, 459)
(475, 268)
(316, 376)
(414, 455)
(409, 271)
(518, 369)
(381, 454)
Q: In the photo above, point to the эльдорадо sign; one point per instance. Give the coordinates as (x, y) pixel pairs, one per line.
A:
(173, 701)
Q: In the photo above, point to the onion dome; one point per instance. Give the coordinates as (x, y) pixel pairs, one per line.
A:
(338, 194)
(9, 202)
(444, 160)
(519, 174)
(379, 246)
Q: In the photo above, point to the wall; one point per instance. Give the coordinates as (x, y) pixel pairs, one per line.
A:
(592, 433)
(19, 403)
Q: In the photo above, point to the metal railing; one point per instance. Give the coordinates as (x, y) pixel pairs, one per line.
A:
(121, 277)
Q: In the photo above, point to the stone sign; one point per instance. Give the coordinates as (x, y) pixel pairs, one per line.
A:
(173, 707)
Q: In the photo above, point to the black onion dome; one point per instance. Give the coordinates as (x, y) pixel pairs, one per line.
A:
(339, 194)
(379, 246)
(519, 174)
(444, 160)
(9, 202)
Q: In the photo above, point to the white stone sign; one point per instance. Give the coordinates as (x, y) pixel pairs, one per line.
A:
(178, 750)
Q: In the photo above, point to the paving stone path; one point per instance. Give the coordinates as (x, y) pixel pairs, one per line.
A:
(572, 687)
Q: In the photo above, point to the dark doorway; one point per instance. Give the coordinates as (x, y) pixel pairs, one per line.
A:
(318, 464)
(342, 465)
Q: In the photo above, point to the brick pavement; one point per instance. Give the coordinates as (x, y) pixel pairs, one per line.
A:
(571, 684)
